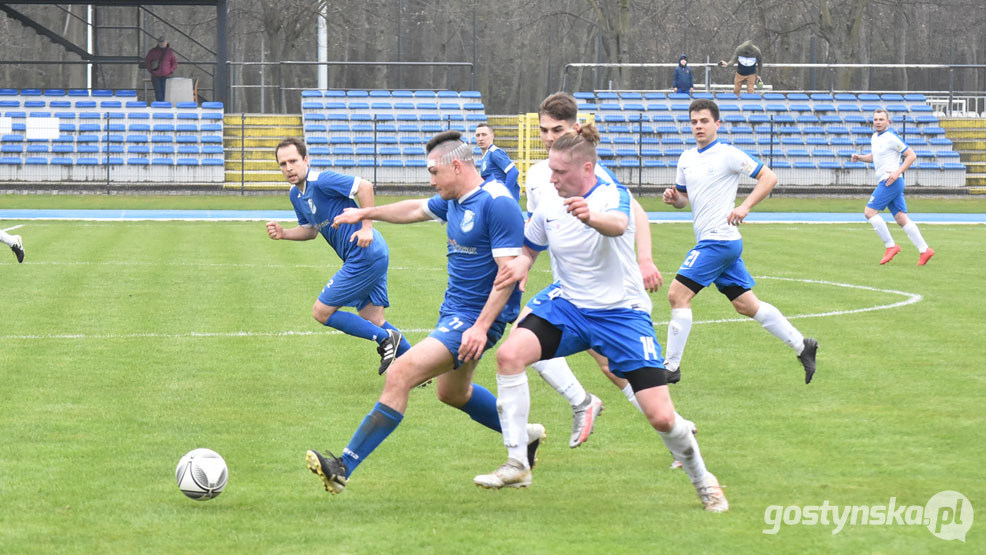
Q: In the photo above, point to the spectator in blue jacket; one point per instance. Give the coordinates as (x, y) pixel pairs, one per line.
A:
(683, 81)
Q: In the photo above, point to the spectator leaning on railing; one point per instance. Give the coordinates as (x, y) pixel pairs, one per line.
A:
(683, 81)
(749, 62)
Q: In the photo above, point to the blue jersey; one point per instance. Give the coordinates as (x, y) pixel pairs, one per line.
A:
(326, 195)
(483, 225)
(495, 165)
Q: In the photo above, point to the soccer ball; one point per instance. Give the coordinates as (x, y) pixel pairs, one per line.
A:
(201, 474)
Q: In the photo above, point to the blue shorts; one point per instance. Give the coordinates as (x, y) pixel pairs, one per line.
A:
(544, 295)
(624, 336)
(358, 285)
(450, 328)
(891, 197)
(718, 262)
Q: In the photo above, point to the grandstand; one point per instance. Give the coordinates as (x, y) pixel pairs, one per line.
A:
(108, 136)
(56, 135)
(384, 130)
(807, 139)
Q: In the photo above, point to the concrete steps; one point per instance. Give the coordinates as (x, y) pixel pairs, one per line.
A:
(249, 141)
(968, 137)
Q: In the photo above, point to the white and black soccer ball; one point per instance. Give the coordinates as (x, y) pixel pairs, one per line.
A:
(201, 474)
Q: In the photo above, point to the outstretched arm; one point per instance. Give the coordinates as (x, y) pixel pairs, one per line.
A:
(403, 212)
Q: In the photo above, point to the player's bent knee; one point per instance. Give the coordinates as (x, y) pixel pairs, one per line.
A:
(322, 312)
(662, 420)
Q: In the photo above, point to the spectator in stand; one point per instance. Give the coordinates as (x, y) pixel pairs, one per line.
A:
(749, 62)
(683, 81)
(161, 62)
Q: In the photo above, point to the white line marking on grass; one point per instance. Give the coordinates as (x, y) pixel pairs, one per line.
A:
(187, 335)
(911, 299)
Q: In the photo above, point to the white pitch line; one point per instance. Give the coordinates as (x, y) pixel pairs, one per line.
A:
(328, 266)
(13, 228)
(187, 335)
(911, 299)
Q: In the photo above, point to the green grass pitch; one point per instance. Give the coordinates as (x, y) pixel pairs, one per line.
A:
(124, 345)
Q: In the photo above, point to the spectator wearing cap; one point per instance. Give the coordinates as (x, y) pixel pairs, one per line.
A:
(161, 63)
(683, 82)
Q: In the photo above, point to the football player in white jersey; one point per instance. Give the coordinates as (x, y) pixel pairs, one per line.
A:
(885, 150)
(600, 303)
(558, 114)
(708, 176)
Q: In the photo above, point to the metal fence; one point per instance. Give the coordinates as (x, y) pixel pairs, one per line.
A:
(950, 101)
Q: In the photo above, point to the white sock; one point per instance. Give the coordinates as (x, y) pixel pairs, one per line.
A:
(681, 442)
(880, 227)
(513, 403)
(6, 238)
(559, 376)
(678, 330)
(914, 234)
(773, 321)
(628, 391)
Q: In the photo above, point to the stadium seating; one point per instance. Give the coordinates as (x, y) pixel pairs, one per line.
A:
(381, 134)
(807, 138)
(99, 135)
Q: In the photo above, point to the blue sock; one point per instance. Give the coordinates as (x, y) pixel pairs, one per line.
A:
(375, 428)
(481, 407)
(353, 324)
(405, 345)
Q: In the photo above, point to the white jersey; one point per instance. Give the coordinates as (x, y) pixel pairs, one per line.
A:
(594, 271)
(710, 176)
(539, 183)
(886, 148)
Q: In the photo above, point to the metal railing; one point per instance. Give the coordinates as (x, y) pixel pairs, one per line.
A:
(281, 89)
(952, 101)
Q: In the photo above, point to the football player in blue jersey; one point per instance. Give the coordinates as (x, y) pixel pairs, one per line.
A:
(495, 165)
(485, 230)
(362, 281)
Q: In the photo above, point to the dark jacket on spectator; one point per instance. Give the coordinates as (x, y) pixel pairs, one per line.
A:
(683, 80)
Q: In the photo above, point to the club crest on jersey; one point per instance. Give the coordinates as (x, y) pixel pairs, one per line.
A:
(468, 221)
(311, 205)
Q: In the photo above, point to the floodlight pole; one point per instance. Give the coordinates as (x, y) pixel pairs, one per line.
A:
(323, 47)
